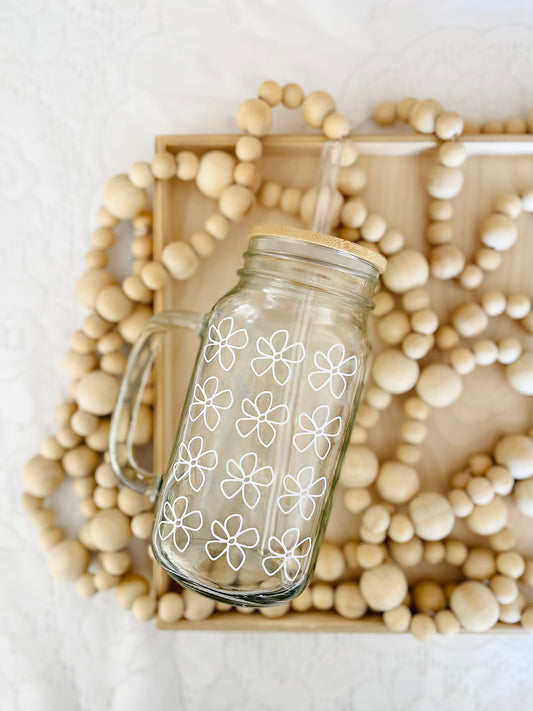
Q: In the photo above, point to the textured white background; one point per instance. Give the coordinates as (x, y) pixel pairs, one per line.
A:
(84, 88)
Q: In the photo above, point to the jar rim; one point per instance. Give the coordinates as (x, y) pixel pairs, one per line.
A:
(377, 260)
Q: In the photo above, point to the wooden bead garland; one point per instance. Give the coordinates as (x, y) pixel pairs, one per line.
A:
(121, 311)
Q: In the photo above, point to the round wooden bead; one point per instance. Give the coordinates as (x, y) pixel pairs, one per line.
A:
(164, 165)
(428, 596)
(135, 289)
(144, 608)
(492, 126)
(475, 606)
(446, 261)
(336, 126)
(308, 202)
(303, 602)
(378, 398)
(140, 175)
(471, 277)
(352, 180)
(423, 114)
(154, 276)
(398, 619)
(510, 563)
(401, 528)
(367, 417)
(440, 210)
(215, 173)
(444, 183)
(373, 228)
(99, 439)
(290, 201)
(269, 194)
(408, 454)
(180, 260)
(384, 113)
(501, 480)
(348, 601)
(470, 320)
(511, 613)
(123, 199)
(254, 116)
(439, 385)
(393, 327)
(105, 581)
(397, 482)
(504, 540)
(235, 202)
(498, 232)
(394, 372)
(105, 219)
(104, 238)
(66, 437)
(105, 498)
(452, 155)
(316, 106)
(460, 502)
(322, 596)
(520, 374)
(84, 486)
(488, 518)
(471, 128)
(527, 201)
(488, 259)
(407, 554)
(78, 364)
(518, 306)
(527, 614)
(247, 174)
(505, 589)
(485, 351)
(415, 300)
(515, 452)
(448, 125)
(480, 490)
(527, 323)
(349, 153)
(455, 552)
(358, 435)
(97, 392)
(68, 560)
(85, 586)
(116, 563)
(370, 555)
(508, 204)
(415, 408)
(110, 530)
(95, 326)
(493, 303)
(357, 500)
(349, 550)
(29, 502)
(292, 96)
(413, 432)
(406, 270)
(376, 519)
(432, 516)
(88, 508)
(353, 213)
(509, 350)
(383, 303)
(276, 611)
(370, 536)
(462, 361)
(42, 520)
(130, 588)
(41, 477)
(170, 607)
(202, 243)
(439, 233)
(132, 502)
(91, 284)
(527, 575)
(142, 524)
(391, 242)
(479, 564)
(80, 461)
(434, 552)
(197, 607)
(248, 148)
(112, 304)
(405, 107)
(447, 623)
(523, 495)
(515, 125)
(424, 321)
(384, 587)
(330, 562)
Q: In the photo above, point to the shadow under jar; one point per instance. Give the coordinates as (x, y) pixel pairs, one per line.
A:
(242, 508)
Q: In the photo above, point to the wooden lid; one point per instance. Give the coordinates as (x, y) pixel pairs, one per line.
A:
(342, 245)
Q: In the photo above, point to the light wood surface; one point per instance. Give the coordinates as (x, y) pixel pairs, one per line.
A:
(396, 166)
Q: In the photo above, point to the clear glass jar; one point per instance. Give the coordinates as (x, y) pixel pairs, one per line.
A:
(245, 500)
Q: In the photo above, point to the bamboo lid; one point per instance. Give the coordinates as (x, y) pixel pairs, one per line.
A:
(320, 238)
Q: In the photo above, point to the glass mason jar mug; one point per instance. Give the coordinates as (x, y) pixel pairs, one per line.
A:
(245, 500)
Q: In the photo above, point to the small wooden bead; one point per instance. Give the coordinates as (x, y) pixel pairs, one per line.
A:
(488, 259)
(336, 126)
(383, 303)
(384, 587)
(248, 148)
(142, 524)
(440, 210)
(41, 477)
(462, 361)
(444, 183)
(349, 153)
(446, 261)
(202, 243)
(501, 480)
(404, 108)
(197, 607)
(515, 125)
(80, 461)
(105, 219)
(508, 204)
(95, 326)
(254, 116)
(141, 175)
(428, 596)
(415, 408)
(398, 619)
(527, 613)
(357, 500)
(492, 126)
(78, 364)
(471, 128)
(434, 552)
(105, 498)
(134, 288)
(105, 476)
(393, 327)
(123, 199)
(352, 180)
(480, 490)
(448, 125)
(290, 201)
(292, 96)
(42, 519)
(391, 242)
(510, 563)
(504, 540)
(439, 233)
(170, 608)
(439, 386)
(348, 601)
(460, 502)
(269, 194)
(271, 92)
(353, 213)
(415, 300)
(498, 232)
(110, 530)
(180, 260)
(104, 580)
(322, 596)
(276, 611)
(423, 114)
(516, 453)
(144, 608)
(358, 435)
(401, 528)
(485, 351)
(132, 503)
(376, 519)
(303, 602)
(187, 164)
(95, 259)
(316, 106)
(518, 306)
(490, 518)
(68, 560)
(97, 393)
(370, 555)
(475, 606)
(493, 303)
(469, 320)
(84, 486)
(408, 554)
(51, 449)
(432, 516)
(103, 238)
(29, 502)
(471, 277)
(130, 588)
(81, 343)
(308, 202)
(424, 321)
(408, 454)
(247, 174)
(406, 270)
(142, 223)
(91, 284)
(511, 613)
(367, 417)
(505, 589)
(384, 113)
(413, 432)
(527, 201)
(447, 623)
(85, 586)
(479, 564)
(112, 304)
(99, 439)
(330, 563)
(88, 508)
(154, 276)
(455, 552)
(215, 173)
(235, 202)
(452, 155)
(66, 437)
(523, 495)
(394, 372)
(520, 373)
(373, 228)
(349, 550)
(422, 627)
(378, 398)
(370, 536)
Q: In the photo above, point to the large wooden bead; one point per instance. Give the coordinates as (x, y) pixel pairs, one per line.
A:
(110, 530)
(498, 232)
(236, 202)
(395, 372)
(452, 154)
(475, 606)
(448, 125)
(360, 467)
(113, 304)
(330, 563)
(141, 175)
(423, 114)
(470, 320)
(123, 199)
(130, 588)
(439, 385)
(41, 477)
(406, 270)
(488, 518)
(348, 601)
(97, 393)
(180, 260)
(397, 482)
(130, 328)
(352, 180)
(520, 374)
(91, 284)
(384, 587)
(336, 126)
(80, 461)
(444, 183)
(432, 516)
(516, 453)
(446, 261)
(215, 173)
(170, 608)
(254, 116)
(316, 106)
(68, 560)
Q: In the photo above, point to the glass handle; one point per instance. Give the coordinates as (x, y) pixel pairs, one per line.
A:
(124, 417)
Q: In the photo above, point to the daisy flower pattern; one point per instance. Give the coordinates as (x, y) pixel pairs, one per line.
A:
(230, 539)
(333, 370)
(318, 431)
(178, 521)
(302, 492)
(247, 479)
(261, 417)
(207, 402)
(276, 355)
(287, 554)
(193, 462)
(223, 340)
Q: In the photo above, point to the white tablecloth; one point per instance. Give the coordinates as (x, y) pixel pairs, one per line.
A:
(85, 87)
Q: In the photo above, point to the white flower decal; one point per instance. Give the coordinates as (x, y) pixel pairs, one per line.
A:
(207, 402)
(223, 341)
(246, 478)
(332, 369)
(178, 521)
(317, 431)
(287, 554)
(276, 354)
(303, 490)
(193, 462)
(261, 416)
(230, 539)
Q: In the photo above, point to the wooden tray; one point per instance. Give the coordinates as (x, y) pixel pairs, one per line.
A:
(395, 166)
